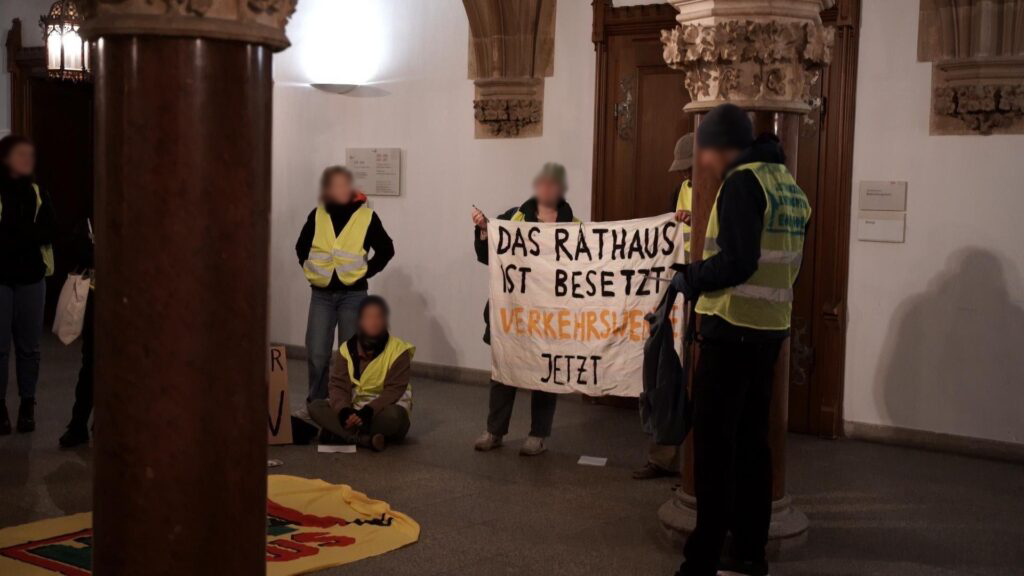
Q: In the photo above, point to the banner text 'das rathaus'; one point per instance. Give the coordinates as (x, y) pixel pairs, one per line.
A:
(568, 301)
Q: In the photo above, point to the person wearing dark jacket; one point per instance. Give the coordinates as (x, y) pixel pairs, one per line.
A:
(26, 259)
(547, 205)
(744, 291)
(370, 393)
(342, 245)
(77, 432)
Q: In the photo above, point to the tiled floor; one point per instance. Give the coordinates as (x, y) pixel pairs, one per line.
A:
(874, 510)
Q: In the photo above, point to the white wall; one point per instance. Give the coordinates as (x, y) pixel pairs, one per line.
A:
(936, 325)
(29, 11)
(421, 101)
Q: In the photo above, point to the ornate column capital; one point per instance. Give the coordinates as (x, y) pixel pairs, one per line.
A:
(762, 55)
(977, 51)
(512, 46)
(255, 21)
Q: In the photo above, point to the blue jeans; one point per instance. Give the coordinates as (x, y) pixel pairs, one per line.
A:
(328, 310)
(21, 320)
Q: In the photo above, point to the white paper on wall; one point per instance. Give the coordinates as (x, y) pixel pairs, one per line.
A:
(568, 301)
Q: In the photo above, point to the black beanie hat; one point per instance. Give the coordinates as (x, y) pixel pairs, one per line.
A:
(374, 300)
(725, 127)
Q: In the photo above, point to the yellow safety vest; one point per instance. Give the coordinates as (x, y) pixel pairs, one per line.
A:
(520, 217)
(370, 383)
(685, 204)
(765, 300)
(47, 250)
(344, 254)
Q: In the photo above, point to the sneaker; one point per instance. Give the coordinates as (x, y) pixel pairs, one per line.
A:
(5, 420)
(730, 567)
(303, 413)
(487, 442)
(534, 446)
(74, 437)
(27, 415)
(375, 442)
(651, 471)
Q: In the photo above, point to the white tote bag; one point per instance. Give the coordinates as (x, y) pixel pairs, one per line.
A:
(70, 318)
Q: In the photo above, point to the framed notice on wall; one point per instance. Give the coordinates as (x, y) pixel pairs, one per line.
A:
(378, 171)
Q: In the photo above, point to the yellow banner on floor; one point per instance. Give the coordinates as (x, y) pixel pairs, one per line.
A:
(311, 525)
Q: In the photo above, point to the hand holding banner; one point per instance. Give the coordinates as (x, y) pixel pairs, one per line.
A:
(568, 301)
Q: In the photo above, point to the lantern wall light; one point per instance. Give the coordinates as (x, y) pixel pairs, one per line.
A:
(67, 55)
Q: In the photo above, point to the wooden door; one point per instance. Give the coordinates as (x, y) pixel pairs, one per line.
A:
(639, 113)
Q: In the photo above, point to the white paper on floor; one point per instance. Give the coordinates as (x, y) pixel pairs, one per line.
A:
(592, 461)
(336, 448)
(274, 463)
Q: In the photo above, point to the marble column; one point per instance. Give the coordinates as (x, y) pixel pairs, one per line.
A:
(764, 56)
(183, 120)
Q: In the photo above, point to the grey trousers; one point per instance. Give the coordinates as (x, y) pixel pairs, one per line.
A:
(21, 321)
(503, 399)
(392, 421)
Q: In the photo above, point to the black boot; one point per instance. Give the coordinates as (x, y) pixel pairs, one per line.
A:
(75, 435)
(27, 415)
(5, 420)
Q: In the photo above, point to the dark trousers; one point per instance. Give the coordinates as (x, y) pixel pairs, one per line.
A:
(732, 393)
(83, 390)
(21, 322)
(391, 421)
(503, 399)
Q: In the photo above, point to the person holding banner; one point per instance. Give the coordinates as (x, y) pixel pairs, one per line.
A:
(663, 460)
(370, 394)
(744, 286)
(547, 205)
(332, 250)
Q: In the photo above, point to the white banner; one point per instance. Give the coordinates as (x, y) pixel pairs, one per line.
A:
(568, 301)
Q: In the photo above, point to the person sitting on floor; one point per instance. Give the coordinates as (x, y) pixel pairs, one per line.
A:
(369, 392)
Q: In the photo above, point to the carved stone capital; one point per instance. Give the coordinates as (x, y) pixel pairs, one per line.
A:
(254, 21)
(511, 52)
(758, 54)
(977, 51)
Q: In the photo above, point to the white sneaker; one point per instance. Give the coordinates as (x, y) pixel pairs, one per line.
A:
(487, 442)
(303, 413)
(534, 446)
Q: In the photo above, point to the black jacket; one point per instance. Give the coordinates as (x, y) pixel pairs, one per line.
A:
(377, 243)
(22, 232)
(741, 205)
(529, 210)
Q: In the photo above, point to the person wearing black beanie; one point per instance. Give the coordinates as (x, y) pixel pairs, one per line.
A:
(743, 286)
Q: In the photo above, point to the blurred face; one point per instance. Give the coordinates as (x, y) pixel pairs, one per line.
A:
(339, 190)
(373, 322)
(716, 161)
(548, 192)
(22, 160)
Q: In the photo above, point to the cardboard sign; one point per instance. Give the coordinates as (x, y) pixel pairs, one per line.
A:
(568, 301)
(279, 413)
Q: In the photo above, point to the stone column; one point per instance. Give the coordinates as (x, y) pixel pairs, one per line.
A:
(764, 56)
(183, 120)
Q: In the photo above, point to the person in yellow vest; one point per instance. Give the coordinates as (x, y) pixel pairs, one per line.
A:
(370, 394)
(342, 245)
(547, 205)
(663, 460)
(26, 260)
(744, 286)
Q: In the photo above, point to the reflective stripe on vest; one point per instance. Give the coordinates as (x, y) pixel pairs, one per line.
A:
(47, 250)
(520, 217)
(765, 300)
(685, 204)
(343, 255)
(370, 383)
